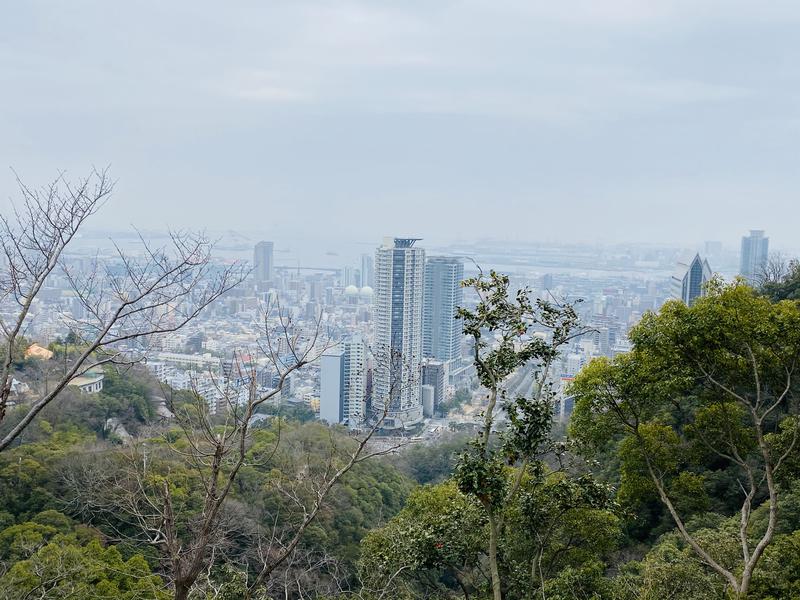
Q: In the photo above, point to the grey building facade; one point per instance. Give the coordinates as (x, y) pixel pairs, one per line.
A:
(441, 330)
(754, 255)
(263, 265)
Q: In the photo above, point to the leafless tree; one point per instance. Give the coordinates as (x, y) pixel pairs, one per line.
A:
(774, 270)
(133, 300)
(394, 586)
(305, 574)
(215, 450)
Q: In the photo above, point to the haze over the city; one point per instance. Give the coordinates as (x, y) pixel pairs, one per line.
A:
(573, 121)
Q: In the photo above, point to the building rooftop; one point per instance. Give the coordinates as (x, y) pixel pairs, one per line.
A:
(37, 351)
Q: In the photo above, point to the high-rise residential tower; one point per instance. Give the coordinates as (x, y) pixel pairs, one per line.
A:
(367, 271)
(263, 265)
(343, 383)
(348, 276)
(755, 252)
(441, 331)
(399, 282)
(689, 279)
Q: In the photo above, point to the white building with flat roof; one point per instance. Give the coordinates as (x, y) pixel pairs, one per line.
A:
(343, 383)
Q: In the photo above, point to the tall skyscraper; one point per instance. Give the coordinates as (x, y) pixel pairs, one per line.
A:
(441, 331)
(263, 265)
(753, 259)
(689, 279)
(343, 383)
(399, 282)
(348, 276)
(367, 271)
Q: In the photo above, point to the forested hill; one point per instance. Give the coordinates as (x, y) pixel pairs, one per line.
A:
(71, 524)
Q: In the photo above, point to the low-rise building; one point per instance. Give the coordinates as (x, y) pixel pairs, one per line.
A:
(90, 382)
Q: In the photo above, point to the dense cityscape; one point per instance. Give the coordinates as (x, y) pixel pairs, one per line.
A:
(403, 298)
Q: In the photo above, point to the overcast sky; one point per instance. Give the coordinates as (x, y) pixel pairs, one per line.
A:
(628, 120)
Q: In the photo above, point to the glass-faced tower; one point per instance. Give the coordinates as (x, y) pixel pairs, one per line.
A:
(399, 285)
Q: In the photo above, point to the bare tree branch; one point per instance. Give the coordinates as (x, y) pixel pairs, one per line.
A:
(140, 298)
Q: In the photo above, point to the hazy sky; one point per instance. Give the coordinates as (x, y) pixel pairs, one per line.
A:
(628, 120)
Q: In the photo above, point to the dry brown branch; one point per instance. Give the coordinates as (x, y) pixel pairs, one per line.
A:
(130, 302)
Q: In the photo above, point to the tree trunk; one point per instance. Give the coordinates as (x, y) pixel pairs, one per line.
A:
(181, 591)
(462, 585)
(497, 593)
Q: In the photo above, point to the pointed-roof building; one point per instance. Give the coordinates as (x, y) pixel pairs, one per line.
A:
(689, 279)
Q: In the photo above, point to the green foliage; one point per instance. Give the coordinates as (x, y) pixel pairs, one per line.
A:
(29, 475)
(556, 524)
(371, 493)
(511, 319)
(298, 412)
(438, 534)
(658, 449)
(784, 442)
(704, 398)
(32, 478)
(579, 583)
(65, 569)
(291, 412)
(505, 336)
(670, 571)
(125, 397)
(660, 400)
(509, 332)
(528, 428)
(722, 425)
(788, 509)
(779, 575)
(128, 395)
(560, 526)
(688, 493)
(481, 476)
(18, 541)
(52, 556)
(432, 463)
